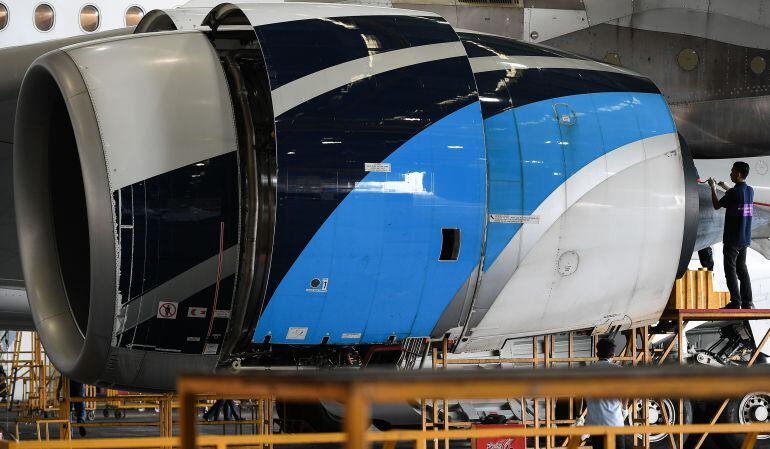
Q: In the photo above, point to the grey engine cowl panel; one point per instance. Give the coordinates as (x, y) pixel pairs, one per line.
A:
(138, 107)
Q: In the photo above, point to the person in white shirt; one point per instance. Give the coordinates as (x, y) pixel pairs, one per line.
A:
(605, 412)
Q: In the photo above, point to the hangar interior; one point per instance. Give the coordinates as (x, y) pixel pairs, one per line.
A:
(382, 223)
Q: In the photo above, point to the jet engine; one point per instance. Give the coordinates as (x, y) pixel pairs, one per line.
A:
(129, 198)
(303, 175)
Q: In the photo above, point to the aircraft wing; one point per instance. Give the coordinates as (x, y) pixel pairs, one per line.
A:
(14, 310)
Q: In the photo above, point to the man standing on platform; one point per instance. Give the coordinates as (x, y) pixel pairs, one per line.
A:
(739, 208)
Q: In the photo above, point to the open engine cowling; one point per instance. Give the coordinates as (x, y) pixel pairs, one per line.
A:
(286, 175)
(146, 168)
(128, 186)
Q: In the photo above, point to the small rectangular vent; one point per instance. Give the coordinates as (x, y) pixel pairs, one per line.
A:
(450, 244)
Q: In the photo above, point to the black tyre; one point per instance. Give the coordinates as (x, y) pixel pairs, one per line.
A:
(106, 413)
(702, 411)
(120, 414)
(90, 415)
(657, 416)
(304, 418)
(752, 408)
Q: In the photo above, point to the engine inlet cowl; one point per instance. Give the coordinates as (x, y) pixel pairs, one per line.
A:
(128, 205)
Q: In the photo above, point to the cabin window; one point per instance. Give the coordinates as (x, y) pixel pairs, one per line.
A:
(3, 16)
(89, 18)
(44, 17)
(133, 15)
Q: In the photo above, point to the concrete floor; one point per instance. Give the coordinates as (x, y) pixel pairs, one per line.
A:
(28, 431)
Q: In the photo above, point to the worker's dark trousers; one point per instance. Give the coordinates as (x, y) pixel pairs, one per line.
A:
(735, 270)
(706, 256)
(597, 442)
(78, 391)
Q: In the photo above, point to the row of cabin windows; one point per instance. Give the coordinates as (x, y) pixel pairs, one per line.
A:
(90, 18)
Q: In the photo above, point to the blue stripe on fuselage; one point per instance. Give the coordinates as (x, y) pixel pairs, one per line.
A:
(528, 160)
(379, 248)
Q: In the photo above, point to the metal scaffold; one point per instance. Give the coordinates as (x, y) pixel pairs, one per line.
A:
(29, 377)
(38, 397)
(542, 412)
(692, 299)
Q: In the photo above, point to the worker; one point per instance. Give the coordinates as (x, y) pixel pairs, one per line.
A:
(225, 406)
(706, 257)
(3, 385)
(606, 412)
(738, 202)
(76, 390)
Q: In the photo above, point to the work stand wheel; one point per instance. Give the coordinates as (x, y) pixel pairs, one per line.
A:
(752, 408)
(657, 413)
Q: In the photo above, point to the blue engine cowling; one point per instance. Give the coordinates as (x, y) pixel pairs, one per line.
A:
(341, 175)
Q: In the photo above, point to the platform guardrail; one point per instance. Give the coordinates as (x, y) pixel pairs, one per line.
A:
(359, 390)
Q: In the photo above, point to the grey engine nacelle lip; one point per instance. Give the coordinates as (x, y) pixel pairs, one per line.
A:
(77, 354)
(104, 156)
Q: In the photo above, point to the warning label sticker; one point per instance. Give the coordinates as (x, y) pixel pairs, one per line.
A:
(196, 312)
(221, 314)
(382, 167)
(318, 285)
(355, 335)
(503, 218)
(210, 348)
(296, 333)
(167, 310)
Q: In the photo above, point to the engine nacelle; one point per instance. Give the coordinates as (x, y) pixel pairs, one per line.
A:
(300, 174)
(126, 177)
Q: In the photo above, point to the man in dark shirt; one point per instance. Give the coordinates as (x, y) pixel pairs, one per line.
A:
(739, 208)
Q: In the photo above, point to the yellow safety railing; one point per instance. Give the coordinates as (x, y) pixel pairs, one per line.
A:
(417, 436)
(360, 389)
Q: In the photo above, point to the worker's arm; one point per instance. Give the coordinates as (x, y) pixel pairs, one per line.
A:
(714, 198)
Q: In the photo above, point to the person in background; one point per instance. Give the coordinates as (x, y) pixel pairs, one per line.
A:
(738, 203)
(78, 391)
(3, 385)
(706, 256)
(605, 412)
(225, 406)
